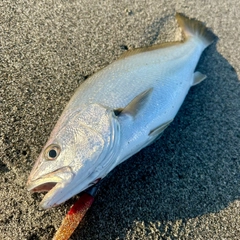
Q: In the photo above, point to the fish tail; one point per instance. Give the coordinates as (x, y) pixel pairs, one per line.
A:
(195, 28)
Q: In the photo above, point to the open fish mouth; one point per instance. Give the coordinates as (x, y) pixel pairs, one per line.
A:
(52, 183)
(48, 181)
(45, 187)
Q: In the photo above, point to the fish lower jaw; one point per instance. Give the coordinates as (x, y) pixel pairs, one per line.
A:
(51, 197)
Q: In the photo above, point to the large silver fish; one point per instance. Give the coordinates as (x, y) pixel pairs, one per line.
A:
(117, 112)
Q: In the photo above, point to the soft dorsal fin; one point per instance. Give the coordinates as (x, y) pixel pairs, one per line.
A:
(148, 49)
(135, 105)
(198, 77)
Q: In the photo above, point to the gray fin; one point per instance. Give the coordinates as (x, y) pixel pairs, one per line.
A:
(157, 131)
(135, 105)
(198, 77)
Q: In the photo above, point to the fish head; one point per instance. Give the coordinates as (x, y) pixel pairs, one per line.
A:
(79, 151)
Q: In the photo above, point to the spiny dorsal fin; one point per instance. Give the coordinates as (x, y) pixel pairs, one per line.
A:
(135, 105)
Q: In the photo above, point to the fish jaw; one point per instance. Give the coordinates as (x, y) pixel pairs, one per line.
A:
(63, 191)
(51, 199)
(53, 183)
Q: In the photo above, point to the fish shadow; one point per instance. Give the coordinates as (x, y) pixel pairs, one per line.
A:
(191, 171)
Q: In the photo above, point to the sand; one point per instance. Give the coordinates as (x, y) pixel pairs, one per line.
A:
(185, 185)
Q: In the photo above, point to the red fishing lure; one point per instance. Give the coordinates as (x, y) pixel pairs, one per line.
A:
(76, 214)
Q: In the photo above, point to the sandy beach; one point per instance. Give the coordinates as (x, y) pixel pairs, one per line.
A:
(184, 186)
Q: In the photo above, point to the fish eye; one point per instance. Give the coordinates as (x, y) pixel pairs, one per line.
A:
(52, 152)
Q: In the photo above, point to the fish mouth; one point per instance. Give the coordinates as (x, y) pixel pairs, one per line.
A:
(52, 183)
(45, 187)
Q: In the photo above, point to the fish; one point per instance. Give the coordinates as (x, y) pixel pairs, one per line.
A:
(118, 111)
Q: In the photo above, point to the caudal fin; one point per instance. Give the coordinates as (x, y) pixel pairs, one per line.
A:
(195, 28)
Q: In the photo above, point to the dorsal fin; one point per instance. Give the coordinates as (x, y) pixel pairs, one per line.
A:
(190, 27)
(146, 49)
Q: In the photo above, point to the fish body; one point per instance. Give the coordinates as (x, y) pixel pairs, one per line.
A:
(117, 112)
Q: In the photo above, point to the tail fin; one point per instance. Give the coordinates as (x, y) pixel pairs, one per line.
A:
(195, 28)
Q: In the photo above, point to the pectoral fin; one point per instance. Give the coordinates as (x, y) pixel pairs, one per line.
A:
(157, 131)
(198, 77)
(135, 105)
